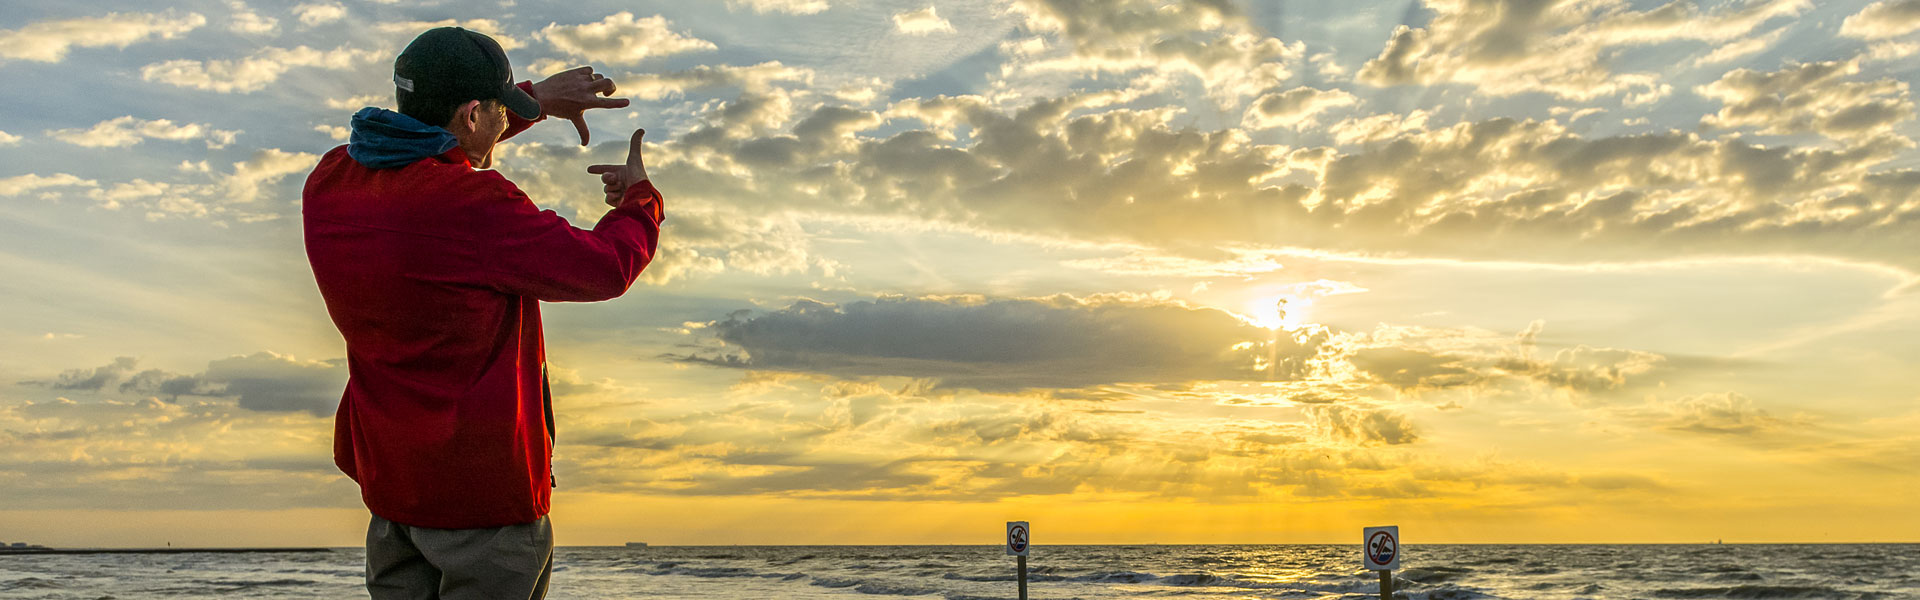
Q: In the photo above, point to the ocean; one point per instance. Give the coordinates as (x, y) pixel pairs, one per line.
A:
(1218, 572)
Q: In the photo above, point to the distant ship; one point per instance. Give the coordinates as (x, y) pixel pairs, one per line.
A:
(636, 544)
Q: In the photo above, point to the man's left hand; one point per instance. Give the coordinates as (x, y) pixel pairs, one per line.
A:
(569, 93)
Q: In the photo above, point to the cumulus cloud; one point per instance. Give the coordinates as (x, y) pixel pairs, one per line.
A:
(1558, 47)
(265, 167)
(793, 7)
(1374, 128)
(319, 13)
(127, 131)
(21, 184)
(921, 22)
(1007, 344)
(622, 39)
(1209, 41)
(1076, 167)
(1294, 108)
(49, 41)
(254, 72)
(1809, 97)
(1883, 19)
(8, 139)
(243, 20)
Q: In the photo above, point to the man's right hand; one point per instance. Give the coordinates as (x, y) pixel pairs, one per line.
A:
(620, 177)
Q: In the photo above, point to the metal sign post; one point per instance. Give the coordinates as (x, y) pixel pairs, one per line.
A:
(1017, 545)
(1380, 551)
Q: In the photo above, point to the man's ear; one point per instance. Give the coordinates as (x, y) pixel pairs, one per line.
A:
(467, 116)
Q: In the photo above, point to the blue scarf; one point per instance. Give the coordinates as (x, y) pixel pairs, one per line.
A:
(384, 139)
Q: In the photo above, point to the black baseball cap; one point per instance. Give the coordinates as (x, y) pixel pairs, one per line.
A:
(453, 64)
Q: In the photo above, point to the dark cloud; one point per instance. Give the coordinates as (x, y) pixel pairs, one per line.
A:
(270, 382)
(1007, 344)
(91, 379)
(263, 381)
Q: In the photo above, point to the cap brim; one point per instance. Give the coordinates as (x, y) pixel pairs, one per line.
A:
(519, 102)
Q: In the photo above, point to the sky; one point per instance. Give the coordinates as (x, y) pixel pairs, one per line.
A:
(1132, 270)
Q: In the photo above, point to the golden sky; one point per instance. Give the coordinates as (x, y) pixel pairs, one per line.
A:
(1134, 271)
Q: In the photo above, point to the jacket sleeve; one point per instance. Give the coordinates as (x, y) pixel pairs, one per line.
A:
(536, 253)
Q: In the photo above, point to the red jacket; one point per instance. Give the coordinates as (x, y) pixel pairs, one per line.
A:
(433, 272)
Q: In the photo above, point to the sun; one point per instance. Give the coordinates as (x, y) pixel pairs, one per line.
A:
(1285, 311)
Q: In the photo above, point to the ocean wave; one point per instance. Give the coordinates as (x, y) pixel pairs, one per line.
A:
(30, 583)
(1755, 592)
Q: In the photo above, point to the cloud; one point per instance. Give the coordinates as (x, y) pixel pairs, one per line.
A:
(1740, 48)
(1295, 107)
(1374, 128)
(921, 22)
(754, 79)
(218, 197)
(354, 103)
(319, 13)
(1209, 41)
(1414, 359)
(49, 41)
(262, 381)
(244, 21)
(254, 72)
(1007, 344)
(1562, 48)
(792, 7)
(1363, 426)
(1883, 19)
(1809, 97)
(490, 27)
(147, 454)
(127, 131)
(1076, 167)
(265, 381)
(92, 379)
(265, 167)
(621, 39)
(21, 184)
(8, 139)
(1720, 414)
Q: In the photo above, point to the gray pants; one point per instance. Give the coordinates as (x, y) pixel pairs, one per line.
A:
(497, 563)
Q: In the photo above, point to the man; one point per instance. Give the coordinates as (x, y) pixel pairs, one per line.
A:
(433, 272)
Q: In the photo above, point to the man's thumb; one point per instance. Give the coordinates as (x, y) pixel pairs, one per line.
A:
(635, 147)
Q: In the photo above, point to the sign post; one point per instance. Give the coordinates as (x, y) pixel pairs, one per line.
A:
(1380, 551)
(1017, 545)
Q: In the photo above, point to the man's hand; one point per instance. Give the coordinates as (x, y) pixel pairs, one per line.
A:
(568, 93)
(620, 177)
